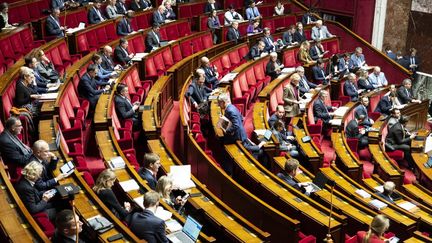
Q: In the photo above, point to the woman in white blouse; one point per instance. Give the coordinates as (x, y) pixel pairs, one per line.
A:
(279, 9)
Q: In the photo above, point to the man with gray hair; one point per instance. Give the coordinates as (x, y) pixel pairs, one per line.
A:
(405, 94)
(211, 74)
(350, 88)
(320, 31)
(233, 33)
(304, 85)
(320, 110)
(388, 188)
(357, 60)
(377, 78)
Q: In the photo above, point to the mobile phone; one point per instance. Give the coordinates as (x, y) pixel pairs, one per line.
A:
(115, 237)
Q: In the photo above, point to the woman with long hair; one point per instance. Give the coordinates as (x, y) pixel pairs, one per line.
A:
(378, 227)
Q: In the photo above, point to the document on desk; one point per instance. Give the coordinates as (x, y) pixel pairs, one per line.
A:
(162, 213)
(228, 77)
(48, 96)
(407, 206)
(139, 56)
(340, 112)
(181, 175)
(377, 204)
(428, 146)
(173, 226)
(362, 193)
(288, 70)
(129, 185)
(117, 163)
(336, 122)
(140, 201)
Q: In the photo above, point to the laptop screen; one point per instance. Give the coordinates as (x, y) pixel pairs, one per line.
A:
(267, 135)
(192, 228)
(320, 180)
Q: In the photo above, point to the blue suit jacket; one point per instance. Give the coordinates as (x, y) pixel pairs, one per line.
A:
(236, 131)
(343, 66)
(302, 87)
(148, 176)
(314, 53)
(88, 89)
(158, 18)
(318, 74)
(93, 17)
(359, 110)
(269, 47)
(384, 105)
(391, 55)
(320, 111)
(145, 225)
(365, 84)
(210, 75)
(124, 27)
(355, 61)
(52, 28)
(350, 90)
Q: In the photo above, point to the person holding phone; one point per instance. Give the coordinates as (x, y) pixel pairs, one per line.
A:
(125, 108)
(165, 189)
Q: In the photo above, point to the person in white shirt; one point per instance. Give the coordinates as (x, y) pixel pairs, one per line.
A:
(320, 31)
(279, 9)
(377, 78)
(231, 15)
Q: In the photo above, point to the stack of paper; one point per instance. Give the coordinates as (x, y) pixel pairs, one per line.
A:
(140, 201)
(340, 112)
(139, 56)
(288, 70)
(117, 163)
(336, 122)
(363, 193)
(181, 175)
(379, 189)
(129, 185)
(173, 226)
(377, 204)
(48, 96)
(163, 214)
(228, 77)
(408, 206)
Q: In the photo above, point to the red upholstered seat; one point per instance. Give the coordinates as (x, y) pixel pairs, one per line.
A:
(167, 58)
(234, 58)
(243, 51)
(183, 28)
(88, 178)
(8, 50)
(226, 62)
(289, 58)
(138, 44)
(176, 53)
(82, 44)
(259, 71)
(150, 69)
(207, 41)
(43, 221)
(187, 48)
(238, 96)
(245, 87)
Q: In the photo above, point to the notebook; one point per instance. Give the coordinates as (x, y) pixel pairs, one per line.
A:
(189, 233)
(67, 168)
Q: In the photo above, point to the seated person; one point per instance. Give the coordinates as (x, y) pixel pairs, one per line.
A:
(159, 16)
(256, 51)
(398, 138)
(253, 27)
(333, 66)
(364, 82)
(125, 109)
(405, 93)
(233, 33)
(389, 53)
(357, 60)
(317, 50)
(198, 92)
(121, 53)
(350, 88)
(140, 5)
(151, 164)
(145, 225)
(389, 102)
(102, 75)
(95, 14)
(102, 188)
(53, 26)
(270, 44)
(60, 4)
(303, 54)
(289, 172)
(210, 6)
(320, 110)
(401, 60)
(319, 73)
(388, 189)
(344, 62)
(66, 228)
(4, 17)
(288, 36)
(45, 67)
(165, 189)
(124, 27)
(279, 115)
(35, 201)
(210, 73)
(107, 62)
(153, 39)
(279, 9)
(299, 35)
(274, 66)
(88, 86)
(378, 227)
(231, 15)
(320, 31)
(395, 115)
(169, 11)
(121, 7)
(285, 144)
(377, 78)
(111, 10)
(48, 160)
(304, 85)
(352, 130)
(40, 83)
(308, 17)
(252, 12)
(214, 24)
(26, 95)
(362, 109)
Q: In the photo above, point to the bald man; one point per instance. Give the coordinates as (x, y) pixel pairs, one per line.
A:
(107, 62)
(377, 78)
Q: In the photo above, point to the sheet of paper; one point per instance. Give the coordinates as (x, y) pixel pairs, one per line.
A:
(173, 226)
(129, 185)
(336, 122)
(139, 56)
(163, 214)
(49, 96)
(363, 193)
(340, 112)
(181, 175)
(288, 70)
(407, 206)
(140, 201)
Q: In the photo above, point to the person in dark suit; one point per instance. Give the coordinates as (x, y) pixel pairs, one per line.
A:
(364, 81)
(153, 39)
(214, 25)
(285, 143)
(270, 44)
(121, 53)
(210, 73)
(299, 35)
(145, 225)
(350, 88)
(148, 172)
(405, 94)
(59, 4)
(317, 50)
(53, 26)
(352, 130)
(198, 92)
(88, 87)
(103, 189)
(95, 15)
(210, 6)
(320, 110)
(125, 109)
(398, 138)
(236, 131)
(343, 65)
(42, 83)
(49, 162)
(169, 12)
(124, 27)
(159, 16)
(233, 33)
(319, 73)
(304, 85)
(256, 51)
(289, 172)
(362, 110)
(139, 5)
(414, 61)
(278, 115)
(35, 201)
(25, 93)
(389, 53)
(288, 36)
(45, 67)
(385, 104)
(388, 189)
(308, 18)
(402, 60)
(273, 67)
(121, 7)
(107, 62)
(66, 228)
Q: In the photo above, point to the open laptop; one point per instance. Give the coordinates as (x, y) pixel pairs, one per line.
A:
(267, 136)
(189, 233)
(56, 144)
(318, 182)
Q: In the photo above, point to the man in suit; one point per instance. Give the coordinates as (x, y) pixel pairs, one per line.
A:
(414, 61)
(35, 201)
(377, 78)
(256, 51)
(362, 110)
(145, 225)
(320, 31)
(95, 15)
(398, 138)
(343, 65)
(279, 115)
(405, 94)
(273, 67)
(150, 168)
(66, 228)
(289, 172)
(210, 73)
(390, 53)
(198, 92)
(252, 13)
(320, 110)
(88, 87)
(124, 27)
(121, 7)
(357, 60)
(291, 98)
(386, 104)
(210, 6)
(53, 26)
(308, 18)
(107, 62)
(395, 115)
(317, 50)
(319, 73)
(41, 83)
(231, 15)
(299, 35)
(233, 33)
(121, 53)
(124, 107)
(285, 143)
(59, 4)
(304, 85)
(48, 160)
(14, 152)
(350, 88)
(288, 36)
(388, 189)
(169, 12)
(402, 60)
(270, 44)
(153, 38)
(159, 16)
(352, 130)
